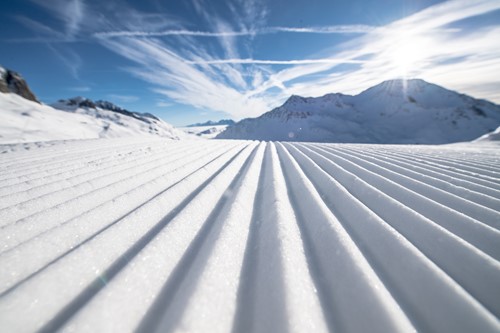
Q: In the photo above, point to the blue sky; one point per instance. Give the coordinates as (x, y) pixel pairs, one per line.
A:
(194, 60)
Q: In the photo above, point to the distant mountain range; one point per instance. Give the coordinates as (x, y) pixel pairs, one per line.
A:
(393, 112)
(24, 119)
(214, 123)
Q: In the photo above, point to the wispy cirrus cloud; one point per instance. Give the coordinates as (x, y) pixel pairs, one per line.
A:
(335, 29)
(69, 58)
(70, 12)
(250, 61)
(184, 83)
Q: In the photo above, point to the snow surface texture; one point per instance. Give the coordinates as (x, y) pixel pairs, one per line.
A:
(407, 112)
(152, 235)
(26, 121)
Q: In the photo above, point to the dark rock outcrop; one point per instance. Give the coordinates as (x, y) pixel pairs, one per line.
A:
(12, 82)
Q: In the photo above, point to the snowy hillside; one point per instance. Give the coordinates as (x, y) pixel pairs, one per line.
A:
(396, 111)
(25, 121)
(226, 122)
(207, 132)
(151, 235)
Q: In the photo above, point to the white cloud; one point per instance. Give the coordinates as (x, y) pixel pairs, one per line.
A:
(335, 29)
(184, 82)
(163, 104)
(223, 30)
(71, 12)
(123, 98)
(275, 62)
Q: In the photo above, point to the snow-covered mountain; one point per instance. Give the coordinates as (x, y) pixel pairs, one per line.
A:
(396, 111)
(24, 119)
(221, 122)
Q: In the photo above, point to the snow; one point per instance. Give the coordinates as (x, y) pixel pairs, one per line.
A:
(393, 112)
(152, 235)
(206, 132)
(26, 121)
(490, 137)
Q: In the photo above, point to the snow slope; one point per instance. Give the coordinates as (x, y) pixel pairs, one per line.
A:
(397, 111)
(493, 136)
(207, 132)
(151, 235)
(26, 121)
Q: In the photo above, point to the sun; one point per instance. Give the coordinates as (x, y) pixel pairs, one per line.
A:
(407, 54)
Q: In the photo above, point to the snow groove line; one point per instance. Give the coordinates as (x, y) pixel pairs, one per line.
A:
(450, 153)
(475, 232)
(481, 277)
(44, 204)
(69, 150)
(39, 172)
(458, 169)
(42, 180)
(73, 247)
(63, 316)
(35, 168)
(324, 235)
(17, 232)
(252, 310)
(106, 160)
(464, 163)
(494, 189)
(481, 214)
(478, 189)
(429, 297)
(192, 263)
(96, 172)
(65, 147)
(103, 170)
(165, 251)
(55, 152)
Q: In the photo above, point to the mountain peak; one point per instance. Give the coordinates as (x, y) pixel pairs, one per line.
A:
(399, 86)
(296, 99)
